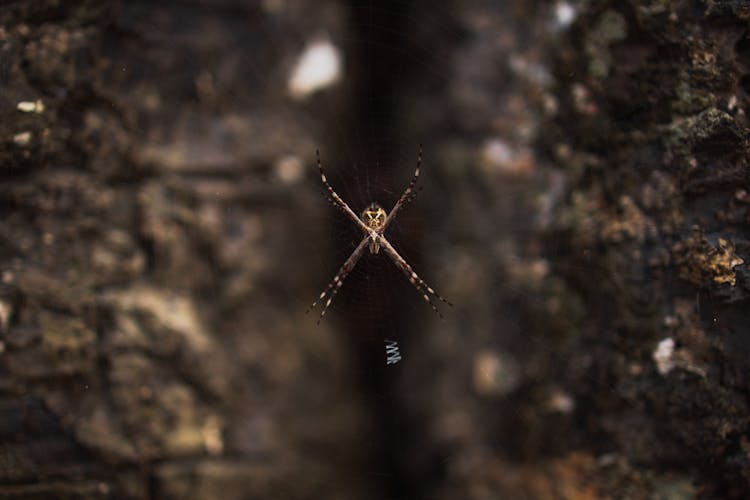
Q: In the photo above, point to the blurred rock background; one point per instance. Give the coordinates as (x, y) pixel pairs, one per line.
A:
(162, 232)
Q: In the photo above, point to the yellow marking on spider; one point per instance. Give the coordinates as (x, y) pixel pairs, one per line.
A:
(374, 216)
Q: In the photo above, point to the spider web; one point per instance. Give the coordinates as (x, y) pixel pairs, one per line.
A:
(371, 289)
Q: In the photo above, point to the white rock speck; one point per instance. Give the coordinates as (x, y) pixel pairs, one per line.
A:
(565, 14)
(30, 107)
(318, 67)
(22, 139)
(663, 356)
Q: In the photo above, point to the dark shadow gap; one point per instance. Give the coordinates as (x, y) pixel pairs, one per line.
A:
(378, 43)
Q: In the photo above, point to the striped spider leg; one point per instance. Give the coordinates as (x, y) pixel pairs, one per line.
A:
(373, 223)
(408, 194)
(333, 286)
(337, 199)
(415, 280)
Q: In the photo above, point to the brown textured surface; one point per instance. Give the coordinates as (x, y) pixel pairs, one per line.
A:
(146, 352)
(587, 200)
(599, 206)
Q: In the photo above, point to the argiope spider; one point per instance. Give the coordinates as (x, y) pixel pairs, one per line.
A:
(373, 224)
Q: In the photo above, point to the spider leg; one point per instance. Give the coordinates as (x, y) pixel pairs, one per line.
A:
(408, 194)
(330, 200)
(333, 287)
(415, 280)
(338, 201)
(412, 195)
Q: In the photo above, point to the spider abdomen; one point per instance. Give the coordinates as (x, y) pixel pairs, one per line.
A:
(374, 216)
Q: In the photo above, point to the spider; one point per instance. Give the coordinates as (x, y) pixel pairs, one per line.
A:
(373, 224)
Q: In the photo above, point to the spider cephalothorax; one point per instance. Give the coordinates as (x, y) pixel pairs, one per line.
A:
(374, 218)
(373, 224)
